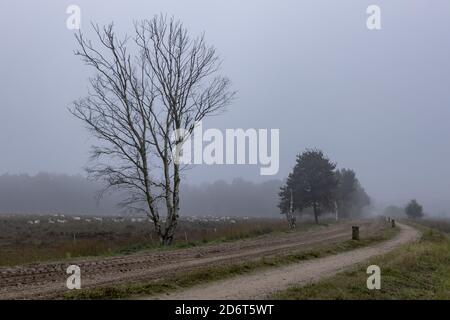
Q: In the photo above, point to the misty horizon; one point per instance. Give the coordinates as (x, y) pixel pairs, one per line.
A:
(49, 193)
(375, 102)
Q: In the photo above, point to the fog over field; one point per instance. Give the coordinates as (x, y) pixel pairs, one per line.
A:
(375, 102)
(50, 193)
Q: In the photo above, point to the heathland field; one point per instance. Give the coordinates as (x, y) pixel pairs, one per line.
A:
(26, 239)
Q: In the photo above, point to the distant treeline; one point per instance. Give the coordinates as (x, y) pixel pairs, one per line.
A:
(52, 193)
(237, 198)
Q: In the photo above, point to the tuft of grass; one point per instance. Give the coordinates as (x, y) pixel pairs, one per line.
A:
(220, 272)
(417, 271)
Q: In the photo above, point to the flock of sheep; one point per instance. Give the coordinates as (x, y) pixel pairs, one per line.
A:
(61, 219)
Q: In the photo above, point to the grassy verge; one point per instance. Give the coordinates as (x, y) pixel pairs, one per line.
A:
(416, 271)
(214, 273)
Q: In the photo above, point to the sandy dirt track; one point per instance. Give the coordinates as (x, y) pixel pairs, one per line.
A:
(48, 280)
(260, 285)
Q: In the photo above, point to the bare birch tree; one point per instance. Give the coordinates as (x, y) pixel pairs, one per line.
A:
(147, 89)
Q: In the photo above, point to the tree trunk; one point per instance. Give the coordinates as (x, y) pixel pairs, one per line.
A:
(173, 207)
(166, 239)
(336, 210)
(171, 224)
(316, 214)
(291, 219)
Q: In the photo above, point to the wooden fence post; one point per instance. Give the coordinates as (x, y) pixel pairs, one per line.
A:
(355, 233)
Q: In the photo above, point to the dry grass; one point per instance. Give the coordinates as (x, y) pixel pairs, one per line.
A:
(22, 243)
(416, 271)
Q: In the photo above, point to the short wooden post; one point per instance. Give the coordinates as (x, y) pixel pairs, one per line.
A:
(393, 223)
(355, 233)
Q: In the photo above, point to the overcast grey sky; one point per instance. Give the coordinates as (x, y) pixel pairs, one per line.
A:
(374, 101)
